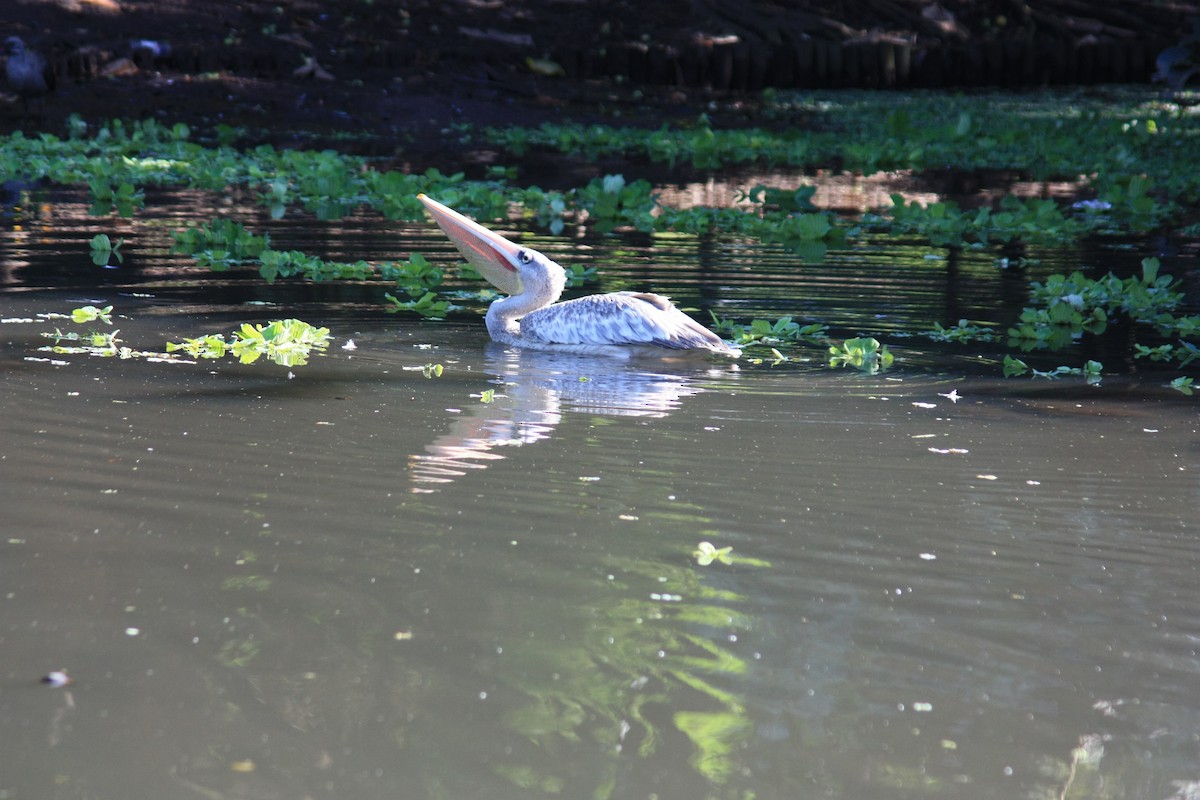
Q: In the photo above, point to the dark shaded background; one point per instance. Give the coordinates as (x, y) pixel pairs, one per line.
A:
(407, 69)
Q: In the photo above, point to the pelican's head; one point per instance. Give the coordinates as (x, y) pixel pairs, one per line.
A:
(506, 265)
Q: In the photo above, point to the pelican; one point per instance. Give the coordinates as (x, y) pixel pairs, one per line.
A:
(618, 323)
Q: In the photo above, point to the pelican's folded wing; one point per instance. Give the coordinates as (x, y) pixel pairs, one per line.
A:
(619, 318)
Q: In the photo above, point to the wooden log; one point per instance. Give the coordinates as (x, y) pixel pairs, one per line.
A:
(1141, 62)
(759, 59)
(868, 54)
(616, 63)
(659, 69)
(974, 65)
(638, 65)
(835, 59)
(694, 66)
(1019, 54)
(887, 64)
(1120, 62)
(851, 65)
(903, 54)
(781, 68)
(739, 66)
(805, 54)
(1105, 61)
(720, 67)
(929, 68)
(1085, 60)
(678, 74)
(993, 66)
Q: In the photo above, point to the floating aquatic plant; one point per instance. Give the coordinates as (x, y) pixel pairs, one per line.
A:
(1182, 353)
(220, 244)
(94, 343)
(1055, 327)
(85, 314)
(865, 354)
(1143, 297)
(287, 342)
(706, 553)
(787, 201)
(611, 202)
(961, 333)
(945, 224)
(97, 343)
(104, 251)
(765, 332)
(123, 197)
(1091, 371)
(428, 370)
(775, 360)
(1066, 306)
(426, 304)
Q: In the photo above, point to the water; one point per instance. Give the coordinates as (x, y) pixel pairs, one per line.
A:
(357, 581)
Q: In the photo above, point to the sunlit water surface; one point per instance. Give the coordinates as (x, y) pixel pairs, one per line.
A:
(350, 580)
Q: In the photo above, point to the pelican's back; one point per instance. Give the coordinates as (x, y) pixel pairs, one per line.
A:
(620, 318)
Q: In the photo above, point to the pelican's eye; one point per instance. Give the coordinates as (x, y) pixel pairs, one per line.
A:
(524, 256)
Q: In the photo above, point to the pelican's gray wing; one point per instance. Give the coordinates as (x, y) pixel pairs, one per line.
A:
(619, 318)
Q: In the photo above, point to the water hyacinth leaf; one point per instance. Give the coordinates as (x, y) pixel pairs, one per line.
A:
(427, 305)
(1014, 367)
(103, 250)
(705, 553)
(287, 342)
(765, 332)
(865, 354)
(86, 314)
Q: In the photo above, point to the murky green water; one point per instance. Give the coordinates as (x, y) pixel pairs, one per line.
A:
(357, 582)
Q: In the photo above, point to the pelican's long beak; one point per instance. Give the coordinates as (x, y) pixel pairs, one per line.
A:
(494, 256)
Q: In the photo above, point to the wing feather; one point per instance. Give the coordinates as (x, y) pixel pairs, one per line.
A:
(619, 318)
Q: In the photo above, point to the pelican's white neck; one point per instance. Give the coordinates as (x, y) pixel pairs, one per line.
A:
(542, 283)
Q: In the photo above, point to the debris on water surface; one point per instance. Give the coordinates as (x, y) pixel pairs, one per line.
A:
(57, 678)
(705, 553)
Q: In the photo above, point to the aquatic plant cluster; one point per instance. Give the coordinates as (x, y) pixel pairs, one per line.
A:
(1134, 156)
(287, 342)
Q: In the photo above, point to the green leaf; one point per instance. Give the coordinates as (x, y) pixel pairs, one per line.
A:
(1014, 367)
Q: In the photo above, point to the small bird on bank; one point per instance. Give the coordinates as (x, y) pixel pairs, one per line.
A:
(28, 73)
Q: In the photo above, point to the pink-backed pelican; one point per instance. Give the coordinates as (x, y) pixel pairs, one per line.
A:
(618, 323)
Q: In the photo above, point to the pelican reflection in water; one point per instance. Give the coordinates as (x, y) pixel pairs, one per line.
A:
(617, 323)
(535, 392)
